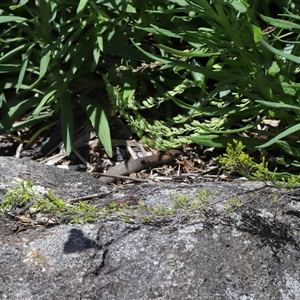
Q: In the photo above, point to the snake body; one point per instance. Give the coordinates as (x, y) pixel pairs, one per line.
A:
(135, 165)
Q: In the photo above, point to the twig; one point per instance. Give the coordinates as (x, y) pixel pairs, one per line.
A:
(120, 176)
(88, 197)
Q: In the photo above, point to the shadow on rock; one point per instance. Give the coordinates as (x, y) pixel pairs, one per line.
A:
(272, 232)
(77, 242)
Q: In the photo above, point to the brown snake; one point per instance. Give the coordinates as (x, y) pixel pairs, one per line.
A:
(135, 165)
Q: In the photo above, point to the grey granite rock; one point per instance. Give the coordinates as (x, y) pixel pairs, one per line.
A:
(251, 254)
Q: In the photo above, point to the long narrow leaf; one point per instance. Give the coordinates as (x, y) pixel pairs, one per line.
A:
(44, 64)
(98, 119)
(186, 53)
(11, 53)
(45, 16)
(16, 112)
(81, 6)
(22, 2)
(37, 134)
(25, 59)
(44, 100)
(218, 141)
(6, 19)
(280, 136)
(31, 121)
(66, 121)
(214, 74)
(288, 148)
(291, 57)
(130, 82)
(284, 24)
(277, 105)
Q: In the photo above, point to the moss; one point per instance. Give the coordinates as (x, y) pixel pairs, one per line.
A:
(45, 202)
(40, 200)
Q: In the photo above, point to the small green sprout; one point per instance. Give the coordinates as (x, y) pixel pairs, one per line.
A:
(21, 194)
(50, 203)
(179, 200)
(232, 205)
(25, 192)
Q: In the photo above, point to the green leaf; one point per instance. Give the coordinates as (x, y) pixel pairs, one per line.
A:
(7, 19)
(120, 5)
(81, 6)
(44, 64)
(100, 42)
(45, 16)
(130, 81)
(96, 57)
(25, 59)
(291, 57)
(186, 53)
(274, 69)
(38, 133)
(280, 136)
(8, 68)
(288, 148)
(238, 5)
(66, 121)
(161, 31)
(31, 121)
(22, 2)
(290, 15)
(213, 73)
(47, 96)
(11, 53)
(284, 24)
(16, 112)
(277, 105)
(98, 119)
(218, 141)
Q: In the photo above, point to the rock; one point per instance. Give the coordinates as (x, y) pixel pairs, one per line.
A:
(251, 253)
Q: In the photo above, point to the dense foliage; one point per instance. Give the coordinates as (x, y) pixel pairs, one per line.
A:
(178, 71)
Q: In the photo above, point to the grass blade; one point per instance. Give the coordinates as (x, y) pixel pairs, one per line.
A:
(280, 136)
(44, 64)
(25, 59)
(218, 141)
(16, 112)
(81, 6)
(291, 57)
(277, 105)
(66, 121)
(186, 53)
(98, 119)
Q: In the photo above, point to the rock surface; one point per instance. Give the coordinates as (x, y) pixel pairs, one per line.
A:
(252, 253)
